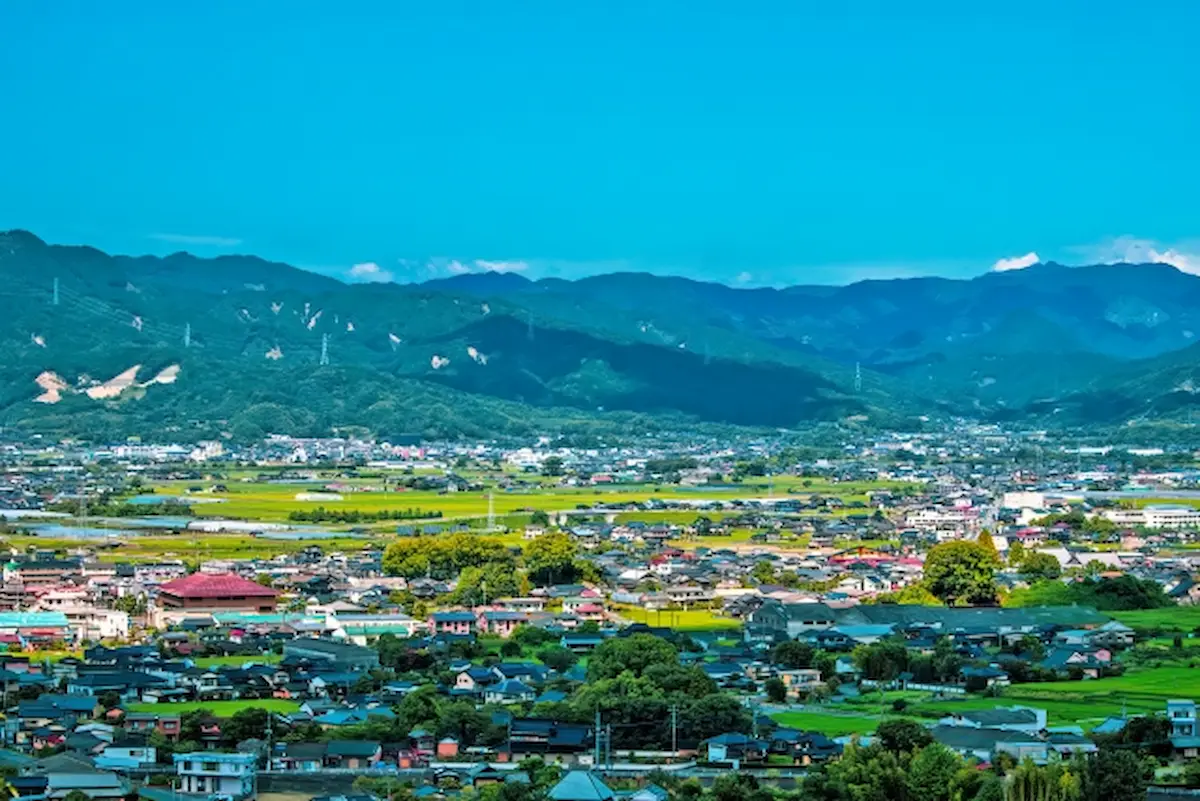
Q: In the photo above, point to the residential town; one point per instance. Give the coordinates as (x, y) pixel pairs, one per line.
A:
(341, 618)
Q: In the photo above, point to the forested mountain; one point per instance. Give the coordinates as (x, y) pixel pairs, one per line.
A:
(243, 346)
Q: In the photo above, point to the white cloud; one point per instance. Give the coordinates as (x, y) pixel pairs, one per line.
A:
(370, 272)
(743, 278)
(1016, 262)
(190, 239)
(1137, 250)
(456, 267)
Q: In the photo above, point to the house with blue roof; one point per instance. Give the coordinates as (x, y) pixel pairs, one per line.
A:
(509, 691)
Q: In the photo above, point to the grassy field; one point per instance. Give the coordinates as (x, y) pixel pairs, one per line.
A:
(827, 723)
(271, 502)
(190, 545)
(222, 709)
(1141, 691)
(45, 656)
(1175, 618)
(682, 619)
(237, 661)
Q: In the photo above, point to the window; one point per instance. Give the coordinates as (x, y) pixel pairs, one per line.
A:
(211, 766)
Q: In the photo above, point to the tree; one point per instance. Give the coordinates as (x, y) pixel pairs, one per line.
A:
(550, 558)
(901, 735)
(912, 595)
(245, 724)
(1039, 565)
(984, 540)
(539, 518)
(558, 658)
(1016, 553)
(776, 690)
(931, 773)
(1114, 774)
(793, 655)
(961, 572)
(763, 572)
(715, 715)
(1053, 782)
(552, 466)
(738, 787)
(264, 579)
(634, 654)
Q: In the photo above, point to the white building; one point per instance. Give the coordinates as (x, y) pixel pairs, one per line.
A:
(209, 773)
(1157, 516)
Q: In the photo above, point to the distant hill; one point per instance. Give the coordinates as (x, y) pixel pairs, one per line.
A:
(234, 345)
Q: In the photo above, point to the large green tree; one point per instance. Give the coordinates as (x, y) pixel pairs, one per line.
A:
(550, 558)
(961, 572)
(634, 654)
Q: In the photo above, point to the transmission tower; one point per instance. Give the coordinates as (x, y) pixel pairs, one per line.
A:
(324, 349)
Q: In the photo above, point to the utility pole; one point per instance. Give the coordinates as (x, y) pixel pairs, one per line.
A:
(596, 752)
(674, 731)
(324, 350)
(608, 745)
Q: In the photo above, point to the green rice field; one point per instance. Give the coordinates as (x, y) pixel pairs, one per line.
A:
(222, 709)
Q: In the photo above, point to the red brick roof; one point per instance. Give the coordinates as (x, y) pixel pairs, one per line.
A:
(220, 585)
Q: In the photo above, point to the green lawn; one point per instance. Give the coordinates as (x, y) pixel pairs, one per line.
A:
(681, 619)
(828, 724)
(1175, 618)
(272, 502)
(237, 661)
(222, 709)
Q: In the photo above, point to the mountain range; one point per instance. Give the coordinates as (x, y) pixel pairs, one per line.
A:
(241, 346)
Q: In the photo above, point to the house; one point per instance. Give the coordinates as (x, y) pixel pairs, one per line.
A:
(736, 748)
(805, 748)
(1085, 659)
(1185, 737)
(500, 622)
(800, 681)
(509, 691)
(582, 642)
(309, 757)
(789, 620)
(210, 592)
(542, 736)
(145, 722)
(452, 623)
(352, 754)
(974, 742)
(1017, 718)
(581, 785)
(66, 773)
(126, 753)
(330, 655)
(1112, 634)
(984, 677)
(475, 679)
(209, 773)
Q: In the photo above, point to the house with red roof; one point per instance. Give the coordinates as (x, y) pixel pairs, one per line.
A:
(211, 592)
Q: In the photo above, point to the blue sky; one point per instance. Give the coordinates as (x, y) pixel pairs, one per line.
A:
(760, 143)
